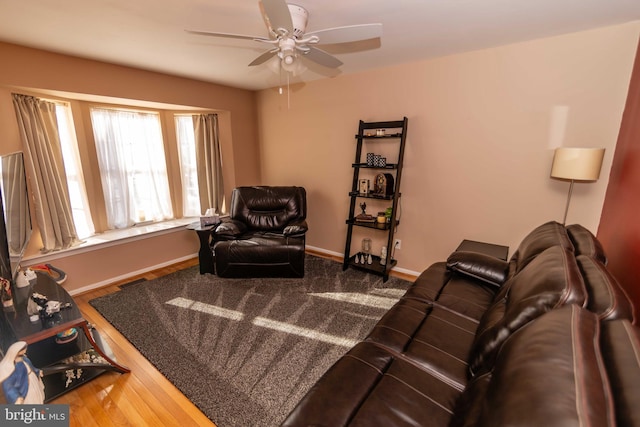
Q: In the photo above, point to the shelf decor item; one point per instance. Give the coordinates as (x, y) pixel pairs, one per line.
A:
(370, 159)
(364, 186)
(383, 185)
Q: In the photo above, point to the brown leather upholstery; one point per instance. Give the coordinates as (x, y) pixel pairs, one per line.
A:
(552, 345)
(558, 348)
(620, 342)
(543, 237)
(585, 243)
(607, 298)
(550, 280)
(264, 235)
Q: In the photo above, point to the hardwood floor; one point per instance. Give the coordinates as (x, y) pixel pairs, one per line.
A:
(143, 397)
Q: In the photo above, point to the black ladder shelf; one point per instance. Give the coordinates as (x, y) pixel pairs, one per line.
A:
(372, 132)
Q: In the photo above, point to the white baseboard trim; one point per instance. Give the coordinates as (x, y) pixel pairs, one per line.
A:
(130, 274)
(109, 281)
(341, 255)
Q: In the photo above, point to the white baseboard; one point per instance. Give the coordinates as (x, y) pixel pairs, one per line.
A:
(341, 255)
(130, 274)
(111, 280)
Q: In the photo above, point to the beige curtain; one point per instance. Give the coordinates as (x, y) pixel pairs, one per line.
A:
(16, 211)
(209, 162)
(39, 133)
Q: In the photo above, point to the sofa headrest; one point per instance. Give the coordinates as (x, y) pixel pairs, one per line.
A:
(585, 243)
(542, 237)
(547, 374)
(605, 297)
(550, 280)
(620, 345)
(268, 208)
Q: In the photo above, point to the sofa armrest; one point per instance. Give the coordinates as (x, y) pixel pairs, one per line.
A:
(297, 227)
(479, 266)
(230, 229)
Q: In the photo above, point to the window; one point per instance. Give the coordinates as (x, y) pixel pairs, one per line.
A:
(132, 165)
(188, 168)
(75, 181)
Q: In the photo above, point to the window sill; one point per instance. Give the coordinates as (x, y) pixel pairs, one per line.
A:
(113, 238)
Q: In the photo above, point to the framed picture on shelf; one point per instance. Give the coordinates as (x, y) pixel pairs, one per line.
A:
(363, 186)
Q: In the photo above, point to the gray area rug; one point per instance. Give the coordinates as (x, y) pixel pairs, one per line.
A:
(245, 351)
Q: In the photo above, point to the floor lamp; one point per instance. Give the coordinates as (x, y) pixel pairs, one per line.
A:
(576, 164)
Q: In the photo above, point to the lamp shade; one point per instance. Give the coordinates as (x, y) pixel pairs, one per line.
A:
(579, 164)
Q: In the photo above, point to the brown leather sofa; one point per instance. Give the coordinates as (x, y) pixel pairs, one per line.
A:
(544, 339)
(264, 235)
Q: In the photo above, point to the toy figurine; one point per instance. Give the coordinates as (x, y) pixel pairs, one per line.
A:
(21, 381)
(363, 206)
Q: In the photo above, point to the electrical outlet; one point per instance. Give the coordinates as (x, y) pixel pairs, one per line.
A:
(397, 244)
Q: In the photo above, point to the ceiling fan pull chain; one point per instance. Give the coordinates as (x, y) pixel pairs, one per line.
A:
(288, 93)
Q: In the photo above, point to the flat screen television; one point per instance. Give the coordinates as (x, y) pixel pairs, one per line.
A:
(15, 229)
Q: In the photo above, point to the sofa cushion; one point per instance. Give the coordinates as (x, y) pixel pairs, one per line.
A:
(620, 343)
(463, 294)
(542, 237)
(486, 268)
(431, 336)
(606, 297)
(260, 254)
(549, 281)
(372, 386)
(521, 392)
(585, 243)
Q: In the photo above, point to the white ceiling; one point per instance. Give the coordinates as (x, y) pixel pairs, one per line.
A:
(150, 34)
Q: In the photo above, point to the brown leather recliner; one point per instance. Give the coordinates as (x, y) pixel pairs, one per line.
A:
(264, 235)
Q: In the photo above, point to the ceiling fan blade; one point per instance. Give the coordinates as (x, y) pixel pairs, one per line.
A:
(321, 57)
(227, 35)
(265, 18)
(264, 57)
(276, 14)
(351, 33)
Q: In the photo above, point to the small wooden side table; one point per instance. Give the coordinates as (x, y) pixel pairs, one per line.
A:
(205, 255)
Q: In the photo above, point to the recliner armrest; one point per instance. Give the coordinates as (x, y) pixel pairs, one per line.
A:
(297, 227)
(230, 229)
(479, 266)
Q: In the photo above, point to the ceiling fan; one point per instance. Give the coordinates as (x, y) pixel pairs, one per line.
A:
(286, 24)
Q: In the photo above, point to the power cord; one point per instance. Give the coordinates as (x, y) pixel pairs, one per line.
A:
(393, 252)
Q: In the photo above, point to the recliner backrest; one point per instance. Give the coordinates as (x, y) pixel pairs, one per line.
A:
(540, 238)
(549, 374)
(606, 297)
(268, 208)
(586, 243)
(551, 280)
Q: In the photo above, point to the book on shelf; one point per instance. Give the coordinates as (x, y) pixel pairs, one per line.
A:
(365, 218)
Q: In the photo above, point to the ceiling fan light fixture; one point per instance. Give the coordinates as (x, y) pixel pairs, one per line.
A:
(293, 64)
(288, 63)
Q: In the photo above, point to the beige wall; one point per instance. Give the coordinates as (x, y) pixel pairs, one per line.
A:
(24, 69)
(482, 128)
